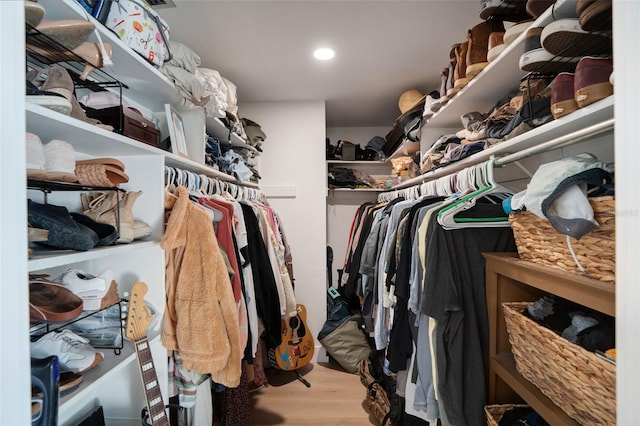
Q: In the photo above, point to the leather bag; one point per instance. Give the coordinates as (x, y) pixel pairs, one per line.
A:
(127, 121)
(140, 28)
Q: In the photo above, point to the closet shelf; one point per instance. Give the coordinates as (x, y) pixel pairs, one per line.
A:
(356, 189)
(504, 366)
(595, 113)
(356, 162)
(217, 129)
(93, 378)
(45, 259)
(494, 82)
(173, 160)
(406, 148)
(146, 84)
(85, 137)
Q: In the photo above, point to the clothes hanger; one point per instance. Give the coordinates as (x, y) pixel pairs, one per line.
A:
(447, 216)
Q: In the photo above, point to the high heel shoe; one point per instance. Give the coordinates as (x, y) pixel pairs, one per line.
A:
(88, 52)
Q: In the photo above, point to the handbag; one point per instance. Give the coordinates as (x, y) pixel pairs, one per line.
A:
(140, 28)
(99, 9)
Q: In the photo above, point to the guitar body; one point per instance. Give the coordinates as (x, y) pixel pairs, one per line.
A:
(297, 347)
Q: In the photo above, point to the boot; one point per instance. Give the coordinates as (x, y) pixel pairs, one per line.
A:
(103, 207)
(460, 72)
(478, 38)
(452, 68)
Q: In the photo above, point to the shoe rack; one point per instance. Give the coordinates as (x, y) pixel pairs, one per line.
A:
(115, 383)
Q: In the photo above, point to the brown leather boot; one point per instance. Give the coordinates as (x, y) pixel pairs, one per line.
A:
(460, 73)
(478, 38)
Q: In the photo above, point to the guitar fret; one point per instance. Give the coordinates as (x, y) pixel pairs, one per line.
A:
(158, 416)
(151, 385)
(147, 366)
(142, 345)
(155, 401)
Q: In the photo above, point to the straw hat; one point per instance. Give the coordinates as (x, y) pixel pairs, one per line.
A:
(409, 99)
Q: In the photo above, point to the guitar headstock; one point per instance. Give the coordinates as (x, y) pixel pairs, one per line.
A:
(139, 316)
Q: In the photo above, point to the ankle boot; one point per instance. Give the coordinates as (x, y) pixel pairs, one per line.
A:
(460, 72)
(103, 207)
(478, 38)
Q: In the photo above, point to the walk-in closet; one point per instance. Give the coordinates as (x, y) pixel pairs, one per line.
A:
(319, 212)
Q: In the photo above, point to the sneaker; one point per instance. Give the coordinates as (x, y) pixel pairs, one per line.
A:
(51, 100)
(595, 15)
(536, 8)
(515, 30)
(96, 292)
(35, 158)
(537, 59)
(565, 37)
(592, 80)
(503, 10)
(60, 161)
(74, 353)
(563, 95)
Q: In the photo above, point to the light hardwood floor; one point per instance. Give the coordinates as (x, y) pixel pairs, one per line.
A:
(334, 398)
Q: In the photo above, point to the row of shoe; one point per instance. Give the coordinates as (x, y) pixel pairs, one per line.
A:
(65, 40)
(55, 161)
(558, 46)
(581, 28)
(53, 88)
(107, 218)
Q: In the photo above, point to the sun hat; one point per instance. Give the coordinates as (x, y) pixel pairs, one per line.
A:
(409, 99)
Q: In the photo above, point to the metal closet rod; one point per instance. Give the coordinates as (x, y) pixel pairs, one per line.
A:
(558, 142)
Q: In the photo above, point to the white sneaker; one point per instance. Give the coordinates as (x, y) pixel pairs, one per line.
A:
(89, 288)
(74, 353)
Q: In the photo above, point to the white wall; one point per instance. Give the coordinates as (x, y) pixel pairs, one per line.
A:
(293, 162)
(342, 206)
(626, 59)
(15, 388)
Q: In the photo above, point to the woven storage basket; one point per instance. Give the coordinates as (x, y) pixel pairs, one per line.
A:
(576, 380)
(539, 242)
(495, 412)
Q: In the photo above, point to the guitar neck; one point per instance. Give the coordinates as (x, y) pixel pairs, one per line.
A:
(152, 393)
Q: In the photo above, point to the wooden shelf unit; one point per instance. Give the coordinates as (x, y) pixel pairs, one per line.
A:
(510, 279)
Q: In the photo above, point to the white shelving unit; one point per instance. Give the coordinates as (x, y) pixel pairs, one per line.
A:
(497, 80)
(113, 384)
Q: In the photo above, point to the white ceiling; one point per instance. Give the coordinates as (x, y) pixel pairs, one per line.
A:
(382, 48)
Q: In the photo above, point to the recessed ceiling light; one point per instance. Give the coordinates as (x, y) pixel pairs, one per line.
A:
(324, 53)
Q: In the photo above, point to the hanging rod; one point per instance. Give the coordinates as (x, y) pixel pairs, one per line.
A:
(558, 142)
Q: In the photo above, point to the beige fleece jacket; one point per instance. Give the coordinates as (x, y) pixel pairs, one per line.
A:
(200, 319)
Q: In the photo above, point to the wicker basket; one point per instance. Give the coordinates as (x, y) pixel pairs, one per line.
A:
(495, 412)
(576, 380)
(539, 242)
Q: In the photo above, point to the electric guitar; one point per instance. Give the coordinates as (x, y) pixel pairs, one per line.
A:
(138, 320)
(297, 347)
